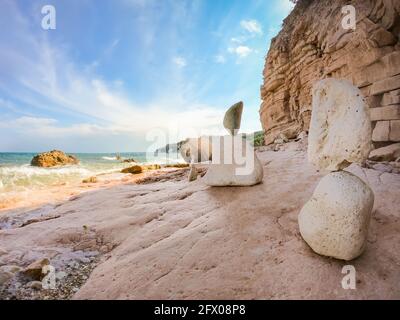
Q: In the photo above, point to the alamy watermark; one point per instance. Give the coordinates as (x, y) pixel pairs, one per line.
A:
(49, 21)
(349, 21)
(349, 280)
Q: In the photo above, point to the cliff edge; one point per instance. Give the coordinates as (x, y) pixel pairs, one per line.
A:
(313, 45)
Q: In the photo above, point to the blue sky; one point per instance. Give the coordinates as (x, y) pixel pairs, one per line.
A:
(114, 75)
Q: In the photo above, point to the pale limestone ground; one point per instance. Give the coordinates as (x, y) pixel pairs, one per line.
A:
(173, 239)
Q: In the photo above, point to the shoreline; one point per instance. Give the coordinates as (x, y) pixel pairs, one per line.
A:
(53, 194)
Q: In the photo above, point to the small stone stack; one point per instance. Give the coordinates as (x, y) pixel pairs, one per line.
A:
(335, 221)
(234, 162)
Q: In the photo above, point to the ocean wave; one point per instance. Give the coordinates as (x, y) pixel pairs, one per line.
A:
(109, 158)
(28, 171)
(26, 176)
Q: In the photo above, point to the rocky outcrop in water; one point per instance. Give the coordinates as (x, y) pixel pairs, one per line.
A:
(52, 159)
(313, 45)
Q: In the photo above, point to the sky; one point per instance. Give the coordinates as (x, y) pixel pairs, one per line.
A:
(129, 75)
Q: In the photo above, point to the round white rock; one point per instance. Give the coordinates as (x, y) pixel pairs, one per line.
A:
(340, 128)
(335, 221)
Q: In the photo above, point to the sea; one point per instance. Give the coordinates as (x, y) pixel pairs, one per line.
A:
(16, 173)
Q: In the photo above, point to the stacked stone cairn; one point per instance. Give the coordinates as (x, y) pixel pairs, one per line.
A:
(335, 221)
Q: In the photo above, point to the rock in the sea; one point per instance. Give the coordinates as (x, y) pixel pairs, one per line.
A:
(388, 153)
(340, 130)
(133, 170)
(233, 117)
(239, 168)
(129, 160)
(34, 270)
(335, 221)
(52, 159)
(90, 180)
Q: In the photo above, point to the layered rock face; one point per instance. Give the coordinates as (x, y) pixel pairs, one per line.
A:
(313, 45)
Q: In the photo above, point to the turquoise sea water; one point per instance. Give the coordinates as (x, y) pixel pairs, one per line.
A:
(16, 173)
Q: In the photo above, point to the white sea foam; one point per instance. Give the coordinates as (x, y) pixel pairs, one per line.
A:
(26, 176)
(109, 158)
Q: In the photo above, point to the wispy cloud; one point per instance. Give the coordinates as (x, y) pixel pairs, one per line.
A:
(240, 51)
(180, 62)
(251, 26)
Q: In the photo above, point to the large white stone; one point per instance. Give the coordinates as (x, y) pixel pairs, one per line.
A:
(340, 129)
(334, 222)
(233, 165)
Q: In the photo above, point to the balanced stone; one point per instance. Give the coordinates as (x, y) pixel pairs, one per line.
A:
(233, 118)
(334, 222)
(340, 130)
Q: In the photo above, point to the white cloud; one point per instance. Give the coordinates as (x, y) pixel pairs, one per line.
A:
(45, 80)
(252, 26)
(240, 51)
(237, 39)
(180, 62)
(220, 59)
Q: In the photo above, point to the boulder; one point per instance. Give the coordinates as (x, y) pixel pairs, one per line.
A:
(234, 171)
(233, 118)
(340, 130)
(335, 221)
(129, 160)
(52, 159)
(133, 170)
(90, 180)
(388, 153)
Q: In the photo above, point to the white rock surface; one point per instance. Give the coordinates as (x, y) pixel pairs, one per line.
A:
(340, 129)
(244, 169)
(335, 221)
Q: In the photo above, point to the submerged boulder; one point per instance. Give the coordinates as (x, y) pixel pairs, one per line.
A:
(340, 130)
(52, 159)
(335, 221)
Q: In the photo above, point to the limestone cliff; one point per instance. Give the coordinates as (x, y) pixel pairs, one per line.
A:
(313, 45)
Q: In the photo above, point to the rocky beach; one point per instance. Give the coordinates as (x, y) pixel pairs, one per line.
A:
(163, 237)
(215, 209)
